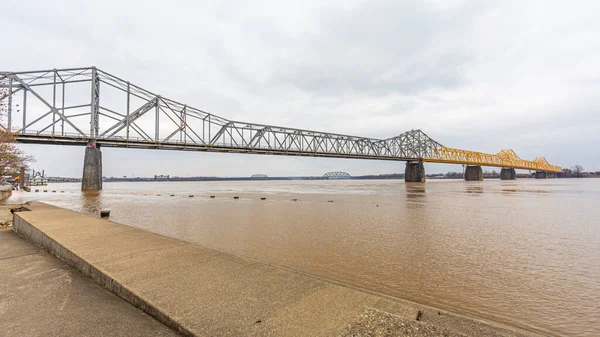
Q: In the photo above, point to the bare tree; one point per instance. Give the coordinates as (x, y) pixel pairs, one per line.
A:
(577, 170)
(11, 157)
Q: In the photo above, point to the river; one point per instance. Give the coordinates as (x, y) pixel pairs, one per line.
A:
(525, 253)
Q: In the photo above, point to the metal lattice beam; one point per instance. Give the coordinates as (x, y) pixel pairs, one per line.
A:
(118, 113)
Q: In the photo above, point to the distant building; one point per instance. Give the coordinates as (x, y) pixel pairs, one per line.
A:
(37, 178)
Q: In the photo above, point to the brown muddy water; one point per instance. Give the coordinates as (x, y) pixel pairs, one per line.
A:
(525, 253)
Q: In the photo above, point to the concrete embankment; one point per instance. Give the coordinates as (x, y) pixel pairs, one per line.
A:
(41, 296)
(5, 191)
(203, 292)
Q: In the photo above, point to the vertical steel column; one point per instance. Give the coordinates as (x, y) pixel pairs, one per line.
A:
(54, 102)
(128, 108)
(24, 109)
(63, 108)
(184, 125)
(9, 112)
(95, 104)
(156, 120)
(204, 128)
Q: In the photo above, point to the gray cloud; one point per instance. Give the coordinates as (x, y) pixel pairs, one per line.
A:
(380, 47)
(472, 74)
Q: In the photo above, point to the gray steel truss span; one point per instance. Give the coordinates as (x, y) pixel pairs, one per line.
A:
(80, 105)
(337, 174)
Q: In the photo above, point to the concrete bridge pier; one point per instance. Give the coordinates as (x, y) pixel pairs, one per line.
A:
(473, 173)
(508, 174)
(541, 175)
(414, 172)
(92, 168)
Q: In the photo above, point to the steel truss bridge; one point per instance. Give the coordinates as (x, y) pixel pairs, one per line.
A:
(80, 105)
(337, 175)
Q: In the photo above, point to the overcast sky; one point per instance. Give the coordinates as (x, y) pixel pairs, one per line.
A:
(477, 75)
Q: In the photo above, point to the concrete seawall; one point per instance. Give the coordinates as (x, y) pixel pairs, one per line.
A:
(5, 192)
(203, 292)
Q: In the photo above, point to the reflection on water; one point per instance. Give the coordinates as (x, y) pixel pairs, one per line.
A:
(91, 201)
(474, 187)
(514, 190)
(415, 190)
(521, 252)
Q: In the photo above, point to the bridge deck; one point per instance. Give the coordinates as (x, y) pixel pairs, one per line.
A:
(57, 104)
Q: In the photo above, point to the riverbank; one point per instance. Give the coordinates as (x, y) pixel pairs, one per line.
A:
(200, 291)
(41, 296)
(6, 216)
(5, 191)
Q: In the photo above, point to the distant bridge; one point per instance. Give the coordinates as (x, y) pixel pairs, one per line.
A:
(88, 106)
(337, 175)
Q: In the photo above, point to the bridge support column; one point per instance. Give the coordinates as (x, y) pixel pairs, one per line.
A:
(541, 175)
(473, 173)
(508, 174)
(22, 178)
(92, 168)
(414, 172)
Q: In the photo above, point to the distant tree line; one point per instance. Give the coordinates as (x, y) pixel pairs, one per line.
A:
(381, 176)
(577, 171)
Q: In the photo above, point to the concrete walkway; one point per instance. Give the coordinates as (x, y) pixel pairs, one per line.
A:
(42, 296)
(203, 292)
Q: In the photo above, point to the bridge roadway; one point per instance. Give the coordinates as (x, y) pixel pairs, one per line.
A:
(93, 108)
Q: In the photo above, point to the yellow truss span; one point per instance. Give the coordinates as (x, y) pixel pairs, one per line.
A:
(504, 158)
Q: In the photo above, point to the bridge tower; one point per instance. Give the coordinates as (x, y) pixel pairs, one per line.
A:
(508, 174)
(473, 173)
(92, 162)
(414, 172)
(92, 168)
